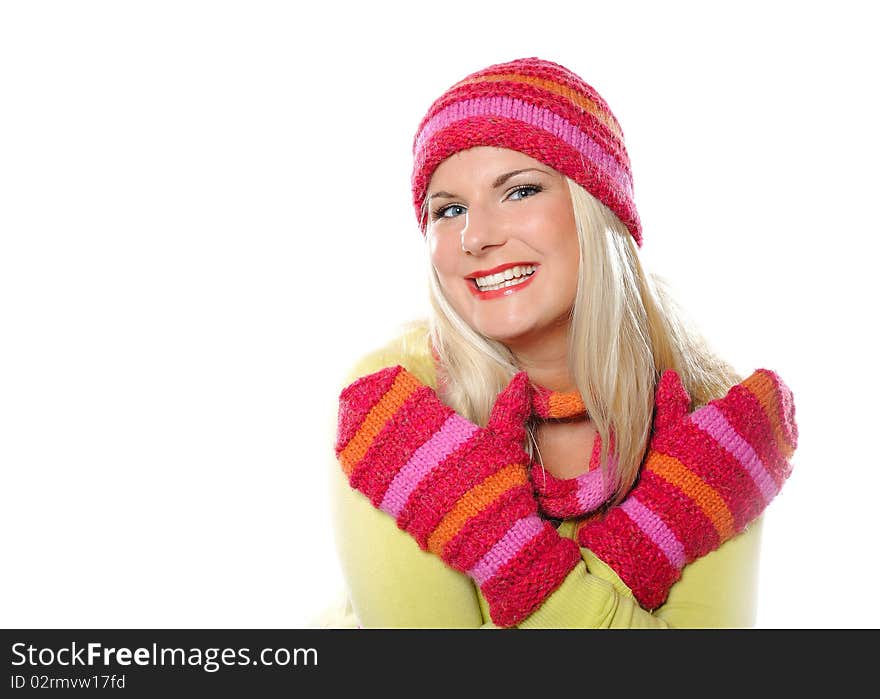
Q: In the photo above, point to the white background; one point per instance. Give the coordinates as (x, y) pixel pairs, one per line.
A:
(205, 220)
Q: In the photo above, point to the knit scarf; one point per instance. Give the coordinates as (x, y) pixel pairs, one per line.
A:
(563, 498)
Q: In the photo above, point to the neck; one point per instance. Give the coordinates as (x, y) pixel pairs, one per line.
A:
(545, 359)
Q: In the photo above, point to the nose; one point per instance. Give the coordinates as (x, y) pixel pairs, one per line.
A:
(480, 233)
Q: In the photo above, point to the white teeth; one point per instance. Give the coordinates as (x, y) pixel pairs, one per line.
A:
(502, 285)
(497, 281)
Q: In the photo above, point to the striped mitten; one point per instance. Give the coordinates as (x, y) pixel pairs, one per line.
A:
(706, 476)
(462, 491)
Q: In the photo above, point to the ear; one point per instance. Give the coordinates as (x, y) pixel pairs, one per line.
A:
(512, 407)
(671, 400)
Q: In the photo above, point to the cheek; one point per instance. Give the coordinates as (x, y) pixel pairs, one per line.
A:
(567, 244)
(572, 274)
(572, 258)
(443, 254)
(444, 261)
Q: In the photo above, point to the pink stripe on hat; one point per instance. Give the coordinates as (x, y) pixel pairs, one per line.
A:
(539, 108)
(540, 118)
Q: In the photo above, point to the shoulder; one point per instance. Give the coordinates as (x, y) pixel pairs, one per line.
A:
(410, 347)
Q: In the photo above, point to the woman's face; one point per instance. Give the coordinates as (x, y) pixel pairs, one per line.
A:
(494, 213)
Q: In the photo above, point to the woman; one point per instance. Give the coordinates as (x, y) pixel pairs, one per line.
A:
(533, 441)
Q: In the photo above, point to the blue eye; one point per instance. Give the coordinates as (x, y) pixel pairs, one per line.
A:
(523, 189)
(441, 212)
(534, 188)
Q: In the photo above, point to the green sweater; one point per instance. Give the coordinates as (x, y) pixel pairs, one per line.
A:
(392, 583)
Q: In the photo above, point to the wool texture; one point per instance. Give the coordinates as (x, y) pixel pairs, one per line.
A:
(460, 490)
(706, 476)
(539, 108)
(472, 496)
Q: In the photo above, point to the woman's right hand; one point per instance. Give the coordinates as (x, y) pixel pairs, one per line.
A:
(461, 490)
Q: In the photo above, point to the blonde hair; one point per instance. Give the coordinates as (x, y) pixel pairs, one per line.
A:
(626, 329)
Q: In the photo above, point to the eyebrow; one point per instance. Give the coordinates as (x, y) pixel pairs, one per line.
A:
(500, 180)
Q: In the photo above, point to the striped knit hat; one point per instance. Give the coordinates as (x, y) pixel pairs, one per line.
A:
(539, 108)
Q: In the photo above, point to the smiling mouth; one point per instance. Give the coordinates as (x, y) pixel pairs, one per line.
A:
(507, 278)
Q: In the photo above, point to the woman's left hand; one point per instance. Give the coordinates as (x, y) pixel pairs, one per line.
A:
(707, 475)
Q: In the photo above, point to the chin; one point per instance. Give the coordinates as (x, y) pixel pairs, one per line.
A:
(508, 333)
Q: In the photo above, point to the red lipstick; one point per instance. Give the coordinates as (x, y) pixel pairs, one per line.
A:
(505, 291)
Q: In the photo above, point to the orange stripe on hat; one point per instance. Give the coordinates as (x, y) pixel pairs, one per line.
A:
(562, 90)
(405, 384)
(707, 498)
(473, 501)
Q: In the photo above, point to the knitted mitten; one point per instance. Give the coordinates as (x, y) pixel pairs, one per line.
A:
(706, 476)
(462, 491)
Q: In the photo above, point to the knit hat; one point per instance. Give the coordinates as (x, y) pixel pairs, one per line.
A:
(539, 108)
